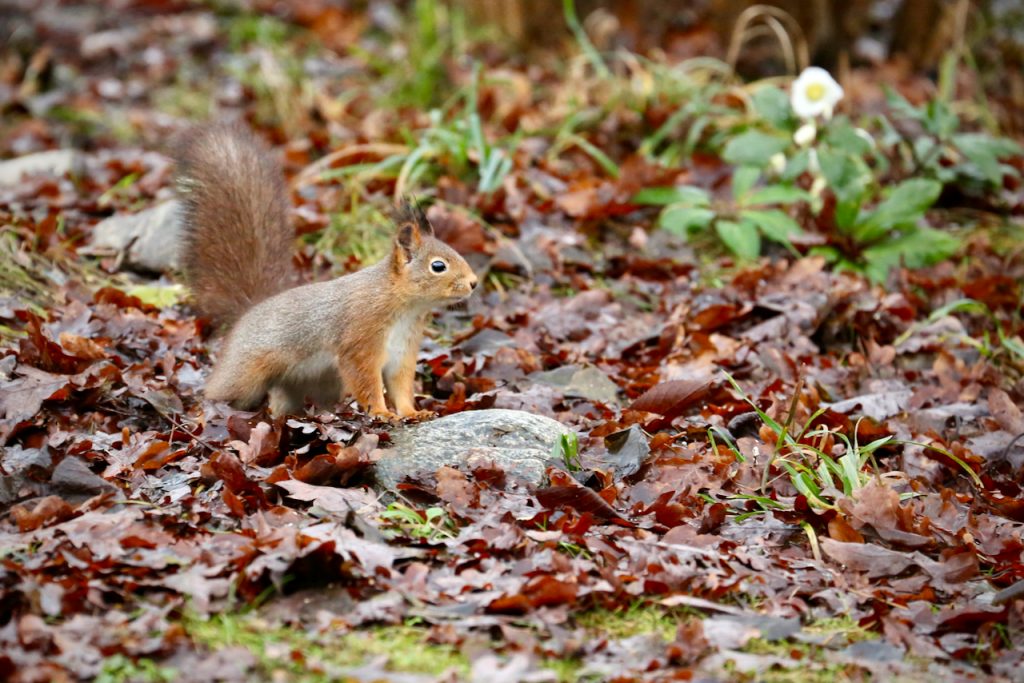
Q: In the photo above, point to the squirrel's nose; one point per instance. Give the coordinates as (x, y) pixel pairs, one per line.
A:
(473, 283)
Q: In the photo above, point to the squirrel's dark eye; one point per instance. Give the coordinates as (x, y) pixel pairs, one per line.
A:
(438, 266)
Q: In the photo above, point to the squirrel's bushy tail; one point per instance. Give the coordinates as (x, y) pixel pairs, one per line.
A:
(238, 243)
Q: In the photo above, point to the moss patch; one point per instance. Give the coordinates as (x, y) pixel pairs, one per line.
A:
(813, 666)
(300, 656)
(638, 619)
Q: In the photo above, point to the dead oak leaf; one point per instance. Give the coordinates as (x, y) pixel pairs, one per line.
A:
(81, 347)
(866, 557)
(582, 500)
(1005, 411)
(22, 397)
(671, 398)
(879, 506)
(330, 498)
(45, 511)
(455, 489)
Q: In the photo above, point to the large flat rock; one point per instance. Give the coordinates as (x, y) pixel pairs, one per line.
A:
(150, 240)
(518, 442)
(55, 162)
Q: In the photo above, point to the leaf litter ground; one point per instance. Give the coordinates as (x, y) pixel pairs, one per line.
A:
(149, 536)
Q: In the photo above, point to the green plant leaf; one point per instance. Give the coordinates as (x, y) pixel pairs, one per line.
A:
(777, 194)
(825, 475)
(847, 210)
(841, 134)
(603, 160)
(772, 105)
(1012, 344)
(776, 225)
(753, 148)
(985, 151)
(683, 220)
(899, 104)
(686, 195)
(796, 165)
(743, 178)
(940, 120)
(903, 208)
(847, 178)
(742, 237)
(916, 249)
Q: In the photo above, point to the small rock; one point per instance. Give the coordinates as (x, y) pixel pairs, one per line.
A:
(518, 442)
(627, 450)
(577, 381)
(878, 406)
(56, 162)
(150, 240)
(75, 482)
(957, 416)
(486, 342)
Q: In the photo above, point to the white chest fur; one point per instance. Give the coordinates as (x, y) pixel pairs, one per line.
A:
(404, 333)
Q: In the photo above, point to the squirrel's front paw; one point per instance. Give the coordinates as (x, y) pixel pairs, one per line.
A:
(417, 415)
(386, 416)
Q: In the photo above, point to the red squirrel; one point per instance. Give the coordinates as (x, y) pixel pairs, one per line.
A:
(356, 335)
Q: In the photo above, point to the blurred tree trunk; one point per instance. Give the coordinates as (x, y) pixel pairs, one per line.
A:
(523, 21)
(922, 30)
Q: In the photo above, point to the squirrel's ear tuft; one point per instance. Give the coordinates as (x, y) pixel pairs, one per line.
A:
(410, 211)
(407, 240)
(421, 220)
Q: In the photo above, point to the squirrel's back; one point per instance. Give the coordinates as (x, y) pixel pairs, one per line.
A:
(238, 243)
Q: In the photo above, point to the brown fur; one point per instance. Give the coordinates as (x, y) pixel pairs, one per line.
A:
(238, 243)
(357, 334)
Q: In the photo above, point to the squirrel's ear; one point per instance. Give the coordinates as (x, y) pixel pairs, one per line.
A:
(407, 240)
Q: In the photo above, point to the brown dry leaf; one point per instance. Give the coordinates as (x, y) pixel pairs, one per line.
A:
(318, 469)
(581, 499)
(879, 505)
(45, 511)
(454, 488)
(1005, 411)
(840, 530)
(670, 399)
(81, 347)
(867, 557)
(155, 455)
(21, 397)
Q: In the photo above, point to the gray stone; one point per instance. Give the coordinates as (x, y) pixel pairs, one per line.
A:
(518, 442)
(149, 240)
(75, 482)
(963, 417)
(578, 381)
(878, 406)
(55, 162)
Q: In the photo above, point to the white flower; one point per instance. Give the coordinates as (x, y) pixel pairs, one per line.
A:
(805, 134)
(818, 186)
(815, 93)
(777, 162)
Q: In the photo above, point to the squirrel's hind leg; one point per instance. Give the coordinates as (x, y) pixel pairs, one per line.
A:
(286, 399)
(326, 390)
(288, 395)
(243, 383)
(241, 391)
